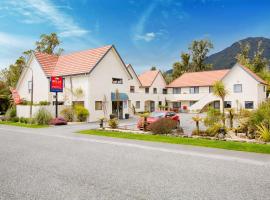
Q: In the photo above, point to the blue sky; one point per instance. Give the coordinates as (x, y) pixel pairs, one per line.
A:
(145, 32)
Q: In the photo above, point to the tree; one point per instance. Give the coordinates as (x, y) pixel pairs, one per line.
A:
(220, 91)
(168, 77)
(199, 50)
(243, 57)
(259, 63)
(153, 68)
(4, 97)
(180, 68)
(48, 44)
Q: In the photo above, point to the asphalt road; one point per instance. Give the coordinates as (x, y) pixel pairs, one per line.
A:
(55, 163)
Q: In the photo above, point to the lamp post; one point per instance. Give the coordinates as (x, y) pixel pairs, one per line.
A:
(32, 91)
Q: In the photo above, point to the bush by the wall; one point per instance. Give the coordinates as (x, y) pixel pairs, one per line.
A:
(43, 117)
(81, 113)
(15, 119)
(68, 114)
(163, 126)
(11, 113)
(44, 103)
(214, 129)
(113, 123)
(213, 116)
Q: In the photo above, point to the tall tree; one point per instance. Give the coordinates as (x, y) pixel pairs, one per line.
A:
(180, 68)
(153, 68)
(48, 44)
(243, 56)
(199, 50)
(259, 63)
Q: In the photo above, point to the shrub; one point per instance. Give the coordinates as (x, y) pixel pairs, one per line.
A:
(81, 112)
(213, 116)
(214, 129)
(263, 132)
(261, 115)
(15, 119)
(44, 103)
(22, 120)
(68, 114)
(200, 132)
(113, 123)
(43, 117)
(163, 126)
(11, 113)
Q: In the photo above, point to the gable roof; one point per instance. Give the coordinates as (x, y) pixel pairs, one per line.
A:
(147, 78)
(205, 78)
(47, 62)
(254, 75)
(136, 76)
(74, 63)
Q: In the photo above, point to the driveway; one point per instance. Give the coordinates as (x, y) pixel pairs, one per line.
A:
(54, 163)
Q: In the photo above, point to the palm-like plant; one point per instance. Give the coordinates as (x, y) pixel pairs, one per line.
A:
(220, 91)
(231, 115)
(197, 120)
(263, 132)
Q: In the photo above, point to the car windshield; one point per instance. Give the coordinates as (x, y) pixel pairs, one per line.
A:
(157, 114)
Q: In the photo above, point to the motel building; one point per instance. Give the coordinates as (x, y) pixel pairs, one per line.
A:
(99, 80)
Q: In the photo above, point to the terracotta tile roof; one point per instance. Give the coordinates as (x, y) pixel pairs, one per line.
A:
(75, 63)
(206, 78)
(147, 78)
(47, 61)
(254, 75)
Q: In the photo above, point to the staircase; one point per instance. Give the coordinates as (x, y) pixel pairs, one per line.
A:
(199, 105)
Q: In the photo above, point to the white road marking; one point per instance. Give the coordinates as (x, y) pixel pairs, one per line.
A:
(145, 147)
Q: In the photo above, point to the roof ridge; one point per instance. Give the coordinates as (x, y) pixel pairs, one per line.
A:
(80, 51)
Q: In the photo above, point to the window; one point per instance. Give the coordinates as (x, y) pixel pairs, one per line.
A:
(176, 104)
(164, 91)
(29, 86)
(191, 103)
(237, 88)
(138, 104)
(210, 89)
(194, 90)
(249, 105)
(117, 80)
(216, 104)
(98, 105)
(132, 89)
(147, 90)
(160, 103)
(154, 90)
(227, 104)
(176, 90)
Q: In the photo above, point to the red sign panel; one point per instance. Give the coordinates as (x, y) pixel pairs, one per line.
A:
(56, 84)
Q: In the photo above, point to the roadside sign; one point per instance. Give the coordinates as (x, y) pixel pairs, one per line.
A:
(56, 84)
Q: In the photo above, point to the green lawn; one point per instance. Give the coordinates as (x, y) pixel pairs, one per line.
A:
(24, 125)
(237, 146)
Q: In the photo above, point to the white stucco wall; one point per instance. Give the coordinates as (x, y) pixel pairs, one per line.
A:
(41, 83)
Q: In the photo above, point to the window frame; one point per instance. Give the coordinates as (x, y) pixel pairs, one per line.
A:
(154, 90)
(138, 103)
(96, 105)
(246, 102)
(164, 91)
(177, 90)
(132, 89)
(117, 81)
(227, 103)
(195, 89)
(234, 88)
(146, 90)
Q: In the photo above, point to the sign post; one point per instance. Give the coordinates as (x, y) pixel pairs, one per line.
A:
(56, 85)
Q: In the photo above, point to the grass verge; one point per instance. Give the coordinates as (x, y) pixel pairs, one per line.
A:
(24, 125)
(229, 145)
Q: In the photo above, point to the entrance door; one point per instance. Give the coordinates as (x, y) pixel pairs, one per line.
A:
(117, 109)
(152, 106)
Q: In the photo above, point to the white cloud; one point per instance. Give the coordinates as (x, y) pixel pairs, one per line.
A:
(148, 37)
(40, 11)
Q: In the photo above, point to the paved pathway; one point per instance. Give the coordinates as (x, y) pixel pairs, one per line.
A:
(55, 163)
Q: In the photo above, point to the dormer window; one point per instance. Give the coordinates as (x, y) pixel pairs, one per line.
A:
(117, 80)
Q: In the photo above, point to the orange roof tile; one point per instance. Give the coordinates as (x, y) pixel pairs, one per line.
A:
(147, 78)
(47, 62)
(205, 78)
(75, 63)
